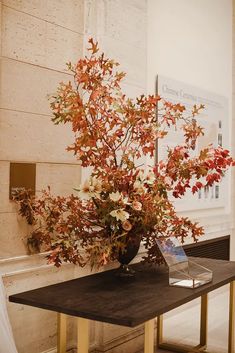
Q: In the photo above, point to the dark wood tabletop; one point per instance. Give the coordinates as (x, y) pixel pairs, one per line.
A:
(104, 297)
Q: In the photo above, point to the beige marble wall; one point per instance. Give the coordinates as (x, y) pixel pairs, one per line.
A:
(121, 29)
(37, 39)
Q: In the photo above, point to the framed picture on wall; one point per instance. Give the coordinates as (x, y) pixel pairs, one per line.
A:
(215, 120)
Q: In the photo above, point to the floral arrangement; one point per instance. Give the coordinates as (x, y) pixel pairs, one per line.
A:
(121, 202)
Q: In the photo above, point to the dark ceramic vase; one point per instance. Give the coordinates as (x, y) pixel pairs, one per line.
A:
(127, 255)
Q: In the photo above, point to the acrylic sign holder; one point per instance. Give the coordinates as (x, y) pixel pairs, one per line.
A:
(183, 272)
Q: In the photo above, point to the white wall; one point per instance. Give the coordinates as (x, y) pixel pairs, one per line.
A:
(191, 41)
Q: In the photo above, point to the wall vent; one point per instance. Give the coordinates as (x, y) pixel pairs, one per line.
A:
(217, 248)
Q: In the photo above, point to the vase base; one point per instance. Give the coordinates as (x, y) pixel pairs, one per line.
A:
(125, 271)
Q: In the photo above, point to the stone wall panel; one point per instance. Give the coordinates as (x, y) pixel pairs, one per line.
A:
(131, 21)
(13, 235)
(68, 14)
(27, 87)
(61, 177)
(5, 205)
(35, 41)
(33, 138)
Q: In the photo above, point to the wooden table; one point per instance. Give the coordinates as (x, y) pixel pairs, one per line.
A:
(106, 298)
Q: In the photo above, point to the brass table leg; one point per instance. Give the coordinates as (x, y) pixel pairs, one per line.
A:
(186, 348)
(231, 333)
(204, 320)
(82, 335)
(61, 333)
(159, 330)
(149, 336)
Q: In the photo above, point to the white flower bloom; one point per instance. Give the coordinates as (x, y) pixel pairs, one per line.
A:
(125, 201)
(139, 187)
(96, 228)
(120, 214)
(96, 183)
(141, 175)
(83, 191)
(91, 188)
(115, 196)
(168, 180)
(137, 184)
(150, 178)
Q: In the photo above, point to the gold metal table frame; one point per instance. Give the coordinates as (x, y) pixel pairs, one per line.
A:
(202, 346)
(121, 303)
(83, 335)
(83, 331)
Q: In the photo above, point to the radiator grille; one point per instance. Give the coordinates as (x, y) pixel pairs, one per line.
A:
(217, 248)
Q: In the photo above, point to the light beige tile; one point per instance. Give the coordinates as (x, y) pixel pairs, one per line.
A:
(139, 4)
(13, 235)
(5, 205)
(26, 87)
(126, 55)
(62, 46)
(33, 7)
(29, 137)
(23, 37)
(133, 91)
(121, 35)
(92, 19)
(132, 21)
(32, 40)
(68, 14)
(60, 177)
(40, 275)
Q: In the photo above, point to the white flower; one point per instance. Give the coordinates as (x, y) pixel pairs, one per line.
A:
(120, 214)
(96, 228)
(150, 178)
(168, 180)
(91, 188)
(115, 196)
(139, 187)
(137, 184)
(125, 201)
(141, 175)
